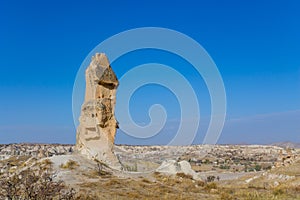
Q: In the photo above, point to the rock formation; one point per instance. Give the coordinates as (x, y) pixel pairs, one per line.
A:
(96, 132)
(172, 167)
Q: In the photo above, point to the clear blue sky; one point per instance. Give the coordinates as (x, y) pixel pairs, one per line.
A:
(255, 44)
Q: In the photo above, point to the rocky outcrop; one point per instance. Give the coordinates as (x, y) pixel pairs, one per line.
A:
(97, 129)
(286, 157)
(172, 167)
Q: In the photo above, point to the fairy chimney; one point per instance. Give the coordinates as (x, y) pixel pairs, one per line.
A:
(97, 129)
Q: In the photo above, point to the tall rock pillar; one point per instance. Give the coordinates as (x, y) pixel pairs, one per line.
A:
(96, 131)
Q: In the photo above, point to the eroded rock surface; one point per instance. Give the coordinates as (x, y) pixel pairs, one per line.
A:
(97, 129)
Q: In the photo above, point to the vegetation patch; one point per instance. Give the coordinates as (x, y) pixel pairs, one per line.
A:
(70, 164)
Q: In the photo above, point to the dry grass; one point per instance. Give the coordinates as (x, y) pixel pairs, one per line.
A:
(210, 186)
(97, 174)
(47, 162)
(16, 160)
(183, 175)
(263, 187)
(184, 187)
(70, 164)
(163, 187)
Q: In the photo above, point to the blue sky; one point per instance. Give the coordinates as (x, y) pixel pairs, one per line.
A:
(255, 45)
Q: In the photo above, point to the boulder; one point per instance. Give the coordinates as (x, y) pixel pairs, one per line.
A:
(172, 167)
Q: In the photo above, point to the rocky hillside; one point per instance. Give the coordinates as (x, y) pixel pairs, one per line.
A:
(35, 150)
(189, 172)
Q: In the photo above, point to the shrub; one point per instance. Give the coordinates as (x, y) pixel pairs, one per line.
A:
(257, 167)
(210, 178)
(31, 185)
(278, 191)
(100, 170)
(70, 164)
(47, 162)
(131, 168)
(224, 167)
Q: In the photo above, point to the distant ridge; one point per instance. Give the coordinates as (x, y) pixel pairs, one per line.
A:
(287, 144)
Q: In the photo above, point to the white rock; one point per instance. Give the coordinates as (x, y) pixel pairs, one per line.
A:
(171, 167)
